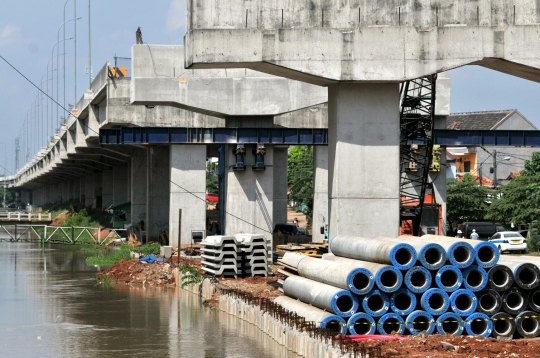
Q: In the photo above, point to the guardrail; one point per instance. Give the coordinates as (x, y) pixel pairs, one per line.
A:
(25, 217)
(60, 234)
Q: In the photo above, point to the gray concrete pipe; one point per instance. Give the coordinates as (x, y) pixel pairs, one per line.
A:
(486, 254)
(526, 275)
(528, 324)
(500, 278)
(342, 275)
(322, 318)
(460, 254)
(504, 326)
(341, 302)
(398, 254)
(431, 255)
(514, 301)
(388, 278)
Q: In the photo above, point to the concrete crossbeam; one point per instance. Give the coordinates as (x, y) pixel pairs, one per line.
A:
(322, 43)
(159, 78)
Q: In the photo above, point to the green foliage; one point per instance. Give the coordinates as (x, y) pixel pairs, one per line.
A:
(300, 177)
(212, 177)
(82, 218)
(466, 200)
(532, 167)
(122, 253)
(517, 201)
(190, 275)
(533, 243)
(9, 196)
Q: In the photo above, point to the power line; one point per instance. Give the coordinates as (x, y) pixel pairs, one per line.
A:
(155, 172)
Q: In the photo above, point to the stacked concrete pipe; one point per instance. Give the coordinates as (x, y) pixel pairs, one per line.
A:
(388, 286)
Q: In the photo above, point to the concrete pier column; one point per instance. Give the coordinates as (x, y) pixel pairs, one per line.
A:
(65, 191)
(188, 189)
(320, 191)
(139, 177)
(157, 213)
(71, 190)
(107, 177)
(363, 159)
(120, 185)
(249, 194)
(98, 191)
(77, 189)
(280, 185)
(89, 191)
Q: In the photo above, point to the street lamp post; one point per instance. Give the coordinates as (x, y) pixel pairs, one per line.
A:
(64, 61)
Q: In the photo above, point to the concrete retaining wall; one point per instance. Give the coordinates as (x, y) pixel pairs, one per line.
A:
(298, 342)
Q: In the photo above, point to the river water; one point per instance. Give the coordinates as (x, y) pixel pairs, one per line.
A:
(51, 306)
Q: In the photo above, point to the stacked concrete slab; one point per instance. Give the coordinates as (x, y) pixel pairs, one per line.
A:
(256, 254)
(221, 256)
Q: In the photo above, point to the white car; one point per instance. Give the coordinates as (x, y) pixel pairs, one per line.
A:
(509, 241)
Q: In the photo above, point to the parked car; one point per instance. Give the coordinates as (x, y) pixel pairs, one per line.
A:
(212, 198)
(507, 241)
(286, 229)
(485, 230)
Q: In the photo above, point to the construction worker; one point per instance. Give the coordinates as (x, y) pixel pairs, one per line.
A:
(474, 235)
(459, 234)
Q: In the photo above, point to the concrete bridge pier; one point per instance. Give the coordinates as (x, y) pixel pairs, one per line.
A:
(280, 185)
(249, 198)
(89, 190)
(121, 191)
(157, 214)
(139, 185)
(363, 159)
(26, 196)
(187, 192)
(107, 188)
(98, 190)
(320, 191)
(65, 191)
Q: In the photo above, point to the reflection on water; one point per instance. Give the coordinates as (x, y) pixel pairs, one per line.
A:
(38, 289)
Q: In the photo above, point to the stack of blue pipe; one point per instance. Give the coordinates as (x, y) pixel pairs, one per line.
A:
(411, 285)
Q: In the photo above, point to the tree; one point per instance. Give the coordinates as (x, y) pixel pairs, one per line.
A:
(9, 196)
(515, 203)
(466, 200)
(519, 201)
(212, 177)
(300, 177)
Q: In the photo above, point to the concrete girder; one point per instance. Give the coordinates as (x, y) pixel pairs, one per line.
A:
(84, 163)
(218, 93)
(369, 41)
(105, 153)
(101, 162)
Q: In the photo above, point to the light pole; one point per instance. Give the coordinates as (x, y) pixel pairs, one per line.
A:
(64, 61)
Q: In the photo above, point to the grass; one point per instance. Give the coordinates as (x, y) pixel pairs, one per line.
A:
(106, 258)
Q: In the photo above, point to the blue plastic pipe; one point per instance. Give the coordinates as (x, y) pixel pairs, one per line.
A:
(330, 298)
(402, 302)
(420, 322)
(361, 323)
(435, 301)
(387, 278)
(375, 303)
(398, 254)
(478, 324)
(391, 322)
(475, 278)
(418, 279)
(449, 278)
(450, 323)
(463, 302)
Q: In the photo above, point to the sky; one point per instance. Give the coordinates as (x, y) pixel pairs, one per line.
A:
(29, 30)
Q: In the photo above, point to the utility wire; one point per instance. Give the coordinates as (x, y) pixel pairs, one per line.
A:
(154, 171)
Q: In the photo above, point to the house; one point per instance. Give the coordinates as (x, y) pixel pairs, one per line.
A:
(484, 162)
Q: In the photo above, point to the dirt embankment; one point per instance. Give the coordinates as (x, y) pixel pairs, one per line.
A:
(437, 346)
(132, 272)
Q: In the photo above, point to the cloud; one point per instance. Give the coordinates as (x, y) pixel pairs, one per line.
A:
(10, 34)
(175, 19)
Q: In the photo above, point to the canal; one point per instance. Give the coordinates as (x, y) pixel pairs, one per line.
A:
(51, 306)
